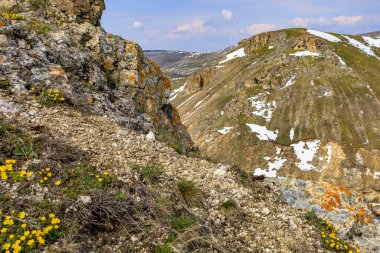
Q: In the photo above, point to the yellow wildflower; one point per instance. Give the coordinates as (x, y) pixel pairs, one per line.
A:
(43, 218)
(51, 215)
(30, 242)
(6, 246)
(22, 215)
(3, 230)
(57, 183)
(23, 225)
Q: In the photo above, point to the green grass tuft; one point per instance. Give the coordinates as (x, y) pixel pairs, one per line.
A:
(150, 173)
(230, 204)
(183, 222)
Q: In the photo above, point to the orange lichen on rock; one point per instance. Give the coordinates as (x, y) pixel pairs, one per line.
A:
(110, 36)
(54, 71)
(344, 190)
(167, 82)
(132, 79)
(331, 200)
(364, 216)
(156, 67)
(142, 76)
(2, 24)
(108, 65)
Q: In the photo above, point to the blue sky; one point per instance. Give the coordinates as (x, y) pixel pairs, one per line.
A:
(211, 25)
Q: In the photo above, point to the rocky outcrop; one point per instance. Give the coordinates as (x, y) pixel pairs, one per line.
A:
(59, 46)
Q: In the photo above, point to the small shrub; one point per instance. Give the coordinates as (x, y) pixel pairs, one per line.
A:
(150, 173)
(183, 222)
(36, 4)
(122, 196)
(189, 191)
(230, 204)
(166, 248)
(51, 97)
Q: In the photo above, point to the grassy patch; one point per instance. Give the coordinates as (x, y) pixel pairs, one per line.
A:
(150, 173)
(166, 248)
(183, 222)
(230, 204)
(15, 142)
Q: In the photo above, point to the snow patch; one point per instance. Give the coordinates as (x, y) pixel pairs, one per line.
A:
(361, 46)
(305, 53)
(236, 54)
(273, 166)
(263, 133)
(291, 134)
(359, 159)
(262, 109)
(176, 92)
(270, 47)
(305, 152)
(372, 42)
(340, 60)
(329, 153)
(225, 130)
(200, 102)
(290, 82)
(186, 101)
(376, 175)
(325, 36)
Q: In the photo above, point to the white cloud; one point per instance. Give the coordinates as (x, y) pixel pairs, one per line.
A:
(137, 24)
(259, 28)
(227, 15)
(340, 20)
(195, 26)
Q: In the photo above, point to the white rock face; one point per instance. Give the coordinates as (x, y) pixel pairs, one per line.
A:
(151, 136)
(236, 54)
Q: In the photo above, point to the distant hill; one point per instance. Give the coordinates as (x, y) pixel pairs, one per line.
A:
(293, 102)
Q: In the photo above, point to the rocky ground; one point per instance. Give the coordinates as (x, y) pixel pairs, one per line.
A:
(262, 222)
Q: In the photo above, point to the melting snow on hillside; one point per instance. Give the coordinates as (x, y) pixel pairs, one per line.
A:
(361, 46)
(372, 42)
(236, 54)
(340, 60)
(263, 133)
(290, 82)
(325, 36)
(305, 53)
(305, 152)
(225, 130)
(262, 109)
(176, 92)
(291, 134)
(273, 166)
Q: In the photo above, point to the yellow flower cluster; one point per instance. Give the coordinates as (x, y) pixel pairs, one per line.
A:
(20, 235)
(334, 243)
(10, 16)
(45, 175)
(102, 178)
(53, 95)
(7, 170)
